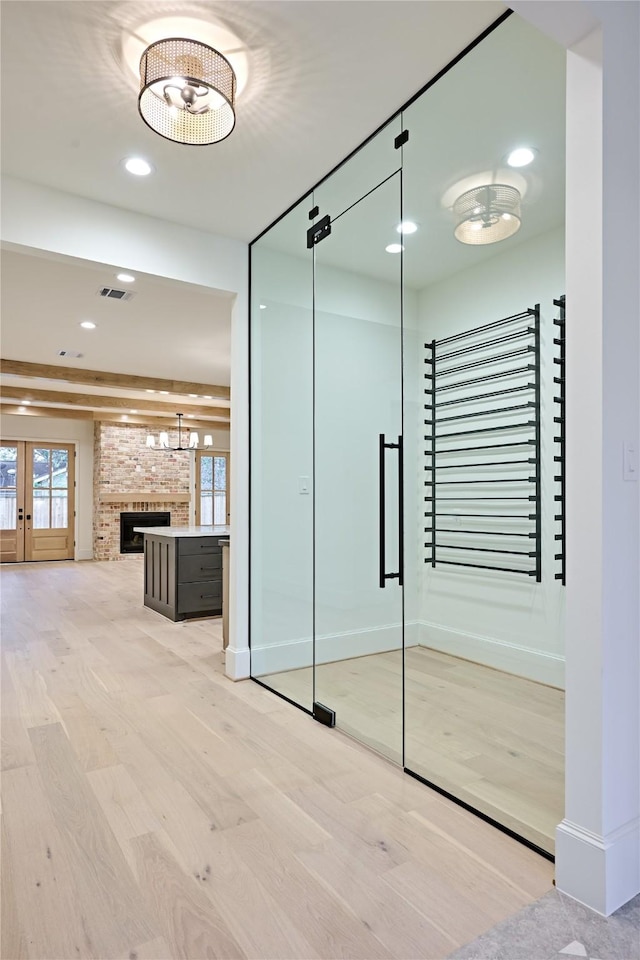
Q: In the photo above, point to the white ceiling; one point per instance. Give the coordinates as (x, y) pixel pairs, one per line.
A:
(144, 336)
(322, 76)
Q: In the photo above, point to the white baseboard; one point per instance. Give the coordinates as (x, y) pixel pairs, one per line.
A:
(295, 654)
(533, 664)
(602, 872)
(237, 663)
(84, 555)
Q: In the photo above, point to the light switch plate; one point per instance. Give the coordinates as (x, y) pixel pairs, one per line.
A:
(303, 485)
(629, 460)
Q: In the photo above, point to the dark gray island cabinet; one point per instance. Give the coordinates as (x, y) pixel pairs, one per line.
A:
(183, 570)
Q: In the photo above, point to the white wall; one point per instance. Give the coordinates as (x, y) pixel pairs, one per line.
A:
(598, 842)
(504, 620)
(79, 432)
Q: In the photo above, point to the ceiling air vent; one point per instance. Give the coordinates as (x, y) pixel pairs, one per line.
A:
(69, 353)
(113, 294)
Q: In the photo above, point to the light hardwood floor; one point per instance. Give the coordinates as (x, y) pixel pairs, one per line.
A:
(153, 809)
(489, 738)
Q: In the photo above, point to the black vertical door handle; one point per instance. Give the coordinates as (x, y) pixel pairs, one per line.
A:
(381, 547)
(384, 576)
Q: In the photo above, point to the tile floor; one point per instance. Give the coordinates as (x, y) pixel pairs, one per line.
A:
(557, 928)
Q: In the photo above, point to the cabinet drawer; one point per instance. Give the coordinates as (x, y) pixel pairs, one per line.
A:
(188, 546)
(205, 567)
(200, 596)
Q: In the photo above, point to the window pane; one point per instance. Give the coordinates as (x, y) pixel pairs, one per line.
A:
(41, 467)
(220, 508)
(220, 473)
(8, 465)
(7, 509)
(206, 509)
(206, 473)
(59, 509)
(60, 468)
(41, 514)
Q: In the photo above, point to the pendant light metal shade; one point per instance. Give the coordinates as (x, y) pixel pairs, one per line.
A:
(187, 91)
(487, 214)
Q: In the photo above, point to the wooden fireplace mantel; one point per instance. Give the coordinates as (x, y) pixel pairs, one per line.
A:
(138, 497)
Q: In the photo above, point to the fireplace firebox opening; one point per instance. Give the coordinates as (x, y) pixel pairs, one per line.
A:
(131, 542)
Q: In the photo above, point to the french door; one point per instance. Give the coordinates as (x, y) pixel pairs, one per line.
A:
(37, 501)
(212, 488)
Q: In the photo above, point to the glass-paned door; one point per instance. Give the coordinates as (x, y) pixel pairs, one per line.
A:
(358, 469)
(11, 502)
(37, 501)
(212, 488)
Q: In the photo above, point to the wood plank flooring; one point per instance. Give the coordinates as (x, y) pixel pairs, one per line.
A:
(489, 738)
(153, 809)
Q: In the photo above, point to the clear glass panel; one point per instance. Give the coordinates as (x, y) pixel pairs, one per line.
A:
(59, 509)
(41, 509)
(282, 458)
(206, 473)
(59, 468)
(41, 466)
(358, 397)
(220, 473)
(206, 509)
(483, 648)
(8, 479)
(220, 507)
(8, 512)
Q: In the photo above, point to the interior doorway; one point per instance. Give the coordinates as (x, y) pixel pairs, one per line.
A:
(37, 501)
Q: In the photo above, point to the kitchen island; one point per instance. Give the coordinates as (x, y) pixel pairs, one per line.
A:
(183, 570)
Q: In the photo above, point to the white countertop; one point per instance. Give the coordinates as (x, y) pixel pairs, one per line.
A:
(175, 532)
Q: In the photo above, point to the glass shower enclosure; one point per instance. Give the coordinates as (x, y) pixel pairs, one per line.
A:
(449, 667)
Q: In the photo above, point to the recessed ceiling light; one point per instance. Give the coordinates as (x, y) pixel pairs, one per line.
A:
(195, 395)
(190, 416)
(138, 166)
(22, 409)
(26, 402)
(133, 411)
(124, 416)
(520, 157)
(149, 391)
(165, 392)
(406, 227)
(394, 248)
(125, 278)
(207, 397)
(88, 325)
(263, 306)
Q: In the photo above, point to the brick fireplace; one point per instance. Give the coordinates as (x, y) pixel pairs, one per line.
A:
(129, 477)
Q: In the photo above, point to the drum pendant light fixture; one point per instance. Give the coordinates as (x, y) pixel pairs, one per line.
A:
(487, 214)
(187, 91)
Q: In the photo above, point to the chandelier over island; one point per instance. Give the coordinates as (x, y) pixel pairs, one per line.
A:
(191, 437)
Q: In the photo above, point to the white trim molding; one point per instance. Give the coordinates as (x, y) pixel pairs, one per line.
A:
(599, 871)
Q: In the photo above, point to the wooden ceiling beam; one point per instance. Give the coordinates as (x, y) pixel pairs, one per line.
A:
(65, 413)
(20, 394)
(122, 381)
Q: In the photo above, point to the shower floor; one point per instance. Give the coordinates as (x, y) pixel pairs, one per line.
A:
(491, 739)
